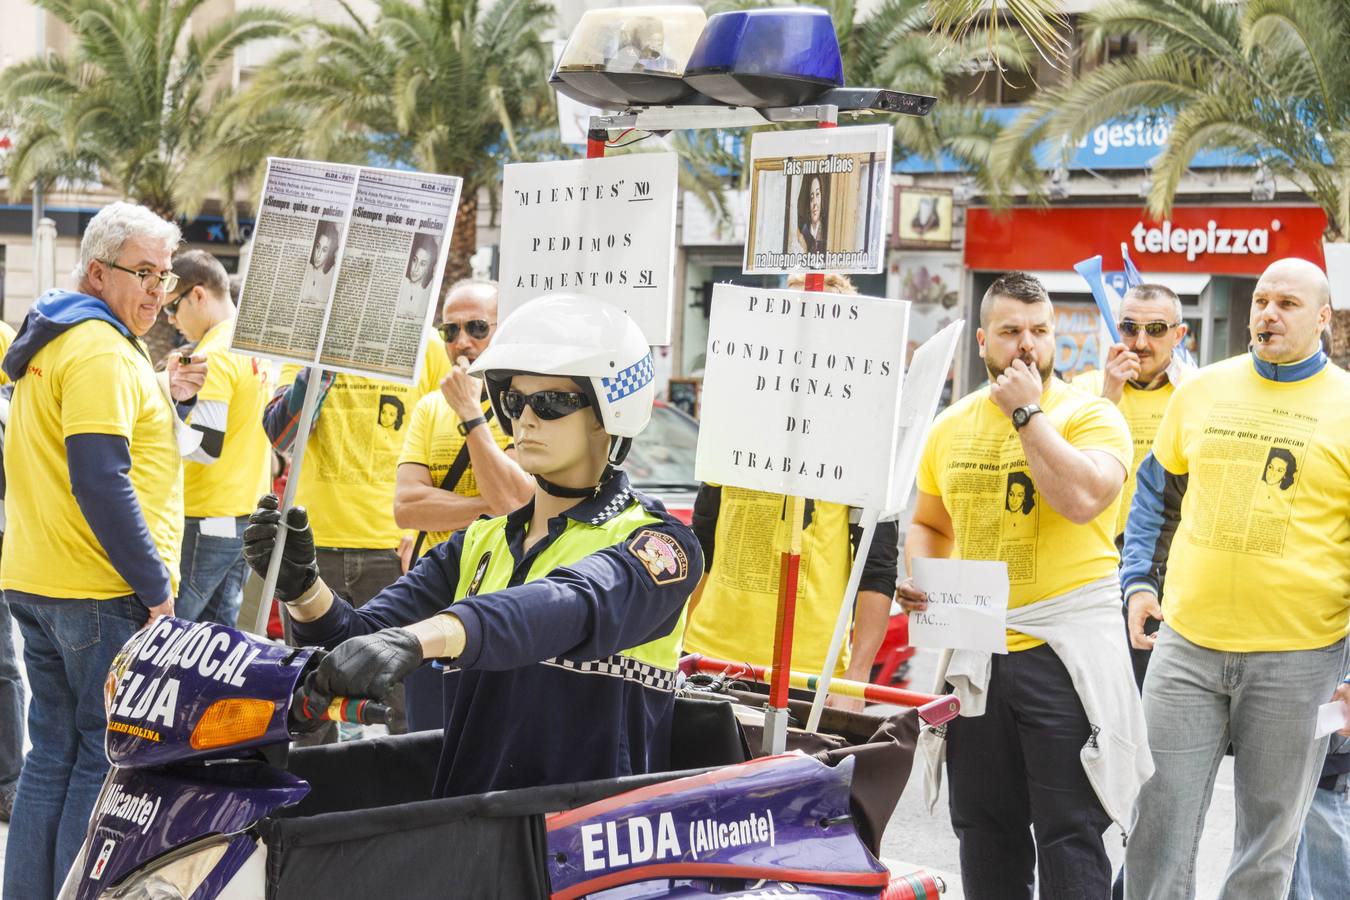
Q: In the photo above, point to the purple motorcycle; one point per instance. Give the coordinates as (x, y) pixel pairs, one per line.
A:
(206, 800)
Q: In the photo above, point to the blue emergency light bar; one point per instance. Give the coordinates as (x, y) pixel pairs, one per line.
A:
(766, 57)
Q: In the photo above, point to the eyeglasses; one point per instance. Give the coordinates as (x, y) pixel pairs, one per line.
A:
(172, 306)
(547, 405)
(1130, 328)
(476, 329)
(151, 281)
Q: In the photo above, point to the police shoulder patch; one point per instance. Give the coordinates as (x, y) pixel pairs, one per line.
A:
(660, 554)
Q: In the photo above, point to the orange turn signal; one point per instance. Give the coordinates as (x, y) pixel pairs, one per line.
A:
(232, 721)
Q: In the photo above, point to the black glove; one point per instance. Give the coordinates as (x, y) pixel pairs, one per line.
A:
(369, 666)
(299, 567)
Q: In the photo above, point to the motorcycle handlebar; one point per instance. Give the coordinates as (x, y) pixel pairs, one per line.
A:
(343, 709)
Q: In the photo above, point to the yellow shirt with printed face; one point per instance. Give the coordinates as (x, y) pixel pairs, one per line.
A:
(232, 484)
(89, 380)
(1261, 559)
(351, 461)
(736, 614)
(974, 462)
(434, 441)
(1143, 412)
(6, 338)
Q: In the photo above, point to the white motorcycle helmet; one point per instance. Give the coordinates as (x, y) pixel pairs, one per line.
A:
(588, 340)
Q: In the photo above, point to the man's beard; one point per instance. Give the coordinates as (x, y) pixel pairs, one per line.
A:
(1046, 371)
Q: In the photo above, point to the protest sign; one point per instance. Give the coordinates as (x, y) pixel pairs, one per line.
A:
(600, 227)
(346, 267)
(921, 393)
(967, 605)
(819, 200)
(801, 393)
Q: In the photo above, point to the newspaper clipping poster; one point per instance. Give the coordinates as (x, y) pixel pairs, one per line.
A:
(789, 372)
(346, 267)
(392, 264)
(600, 227)
(297, 240)
(819, 200)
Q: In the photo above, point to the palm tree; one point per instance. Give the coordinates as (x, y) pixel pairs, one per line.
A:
(1043, 21)
(454, 86)
(1268, 78)
(126, 105)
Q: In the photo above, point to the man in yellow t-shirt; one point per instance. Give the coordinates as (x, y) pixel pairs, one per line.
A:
(347, 477)
(6, 338)
(231, 468)
(1029, 471)
(1139, 377)
(1246, 500)
(95, 516)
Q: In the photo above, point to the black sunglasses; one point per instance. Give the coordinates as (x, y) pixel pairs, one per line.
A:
(172, 306)
(476, 328)
(1130, 328)
(547, 405)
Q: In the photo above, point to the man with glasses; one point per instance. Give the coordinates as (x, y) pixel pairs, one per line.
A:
(1257, 601)
(559, 622)
(1140, 375)
(225, 475)
(95, 512)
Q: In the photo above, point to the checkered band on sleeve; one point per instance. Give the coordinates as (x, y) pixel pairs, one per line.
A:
(629, 380)
(619, 666)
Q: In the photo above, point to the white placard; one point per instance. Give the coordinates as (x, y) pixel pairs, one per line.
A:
(967, 605)
(1338, 272)
(819, 200)
(345, 267)
(801, 393)
(600, 227)
(923, 386)
(1330, 718)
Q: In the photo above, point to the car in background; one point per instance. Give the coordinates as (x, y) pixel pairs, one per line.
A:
(661, 462)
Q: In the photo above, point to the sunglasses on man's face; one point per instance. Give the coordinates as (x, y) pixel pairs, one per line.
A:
(171, 308)
(1130, 328)
(547, 405)
(475, 328)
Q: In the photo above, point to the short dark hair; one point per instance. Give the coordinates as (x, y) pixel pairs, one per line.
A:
(1014, 285)
(195, 267)
(1290, 466)
(1156, 292)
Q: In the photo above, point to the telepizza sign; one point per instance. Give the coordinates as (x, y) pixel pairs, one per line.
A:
(1234, 240)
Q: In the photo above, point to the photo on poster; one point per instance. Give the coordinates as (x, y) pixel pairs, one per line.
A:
(819, 200)
(418, 274)
(318, 283)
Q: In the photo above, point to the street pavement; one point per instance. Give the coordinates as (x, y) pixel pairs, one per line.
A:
(916, 839)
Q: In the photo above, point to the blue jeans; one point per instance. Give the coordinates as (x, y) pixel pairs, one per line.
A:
(68, 648)
(1197, 701)
(1322, 869)
(11, 706)
(211, 574)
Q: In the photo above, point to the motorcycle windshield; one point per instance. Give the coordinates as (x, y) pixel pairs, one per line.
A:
(182, 690)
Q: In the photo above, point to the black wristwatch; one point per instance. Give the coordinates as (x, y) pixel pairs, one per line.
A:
(1022, 415)
(466, 427)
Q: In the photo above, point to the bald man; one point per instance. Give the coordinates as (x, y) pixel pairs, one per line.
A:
(1257, 602)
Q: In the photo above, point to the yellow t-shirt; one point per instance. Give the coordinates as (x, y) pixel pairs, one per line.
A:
(1261, 559)
(89, 380)
(736, 615)
(351, 461)
(6, 338)
(1143, 412)
(435, 364)
(232, 484)
(975, 463)
(434, 441)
